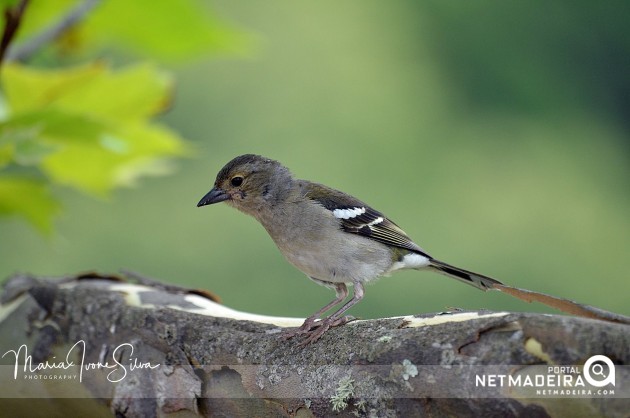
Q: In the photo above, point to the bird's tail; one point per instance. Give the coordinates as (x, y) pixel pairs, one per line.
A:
(565, 305)
(474, 279)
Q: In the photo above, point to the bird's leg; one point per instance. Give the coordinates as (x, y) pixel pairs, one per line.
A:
(335, 319)
(310, 322)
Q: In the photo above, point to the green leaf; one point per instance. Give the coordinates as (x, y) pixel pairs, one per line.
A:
(136, 92)
(89, 125)
(30, 199)
(163, 28)
(31, 152)
(53, 126)
(6, 155)
(118, 158)
(28, 89)
(4, 4)
(19, 143)
(42, 14)
(29, 138)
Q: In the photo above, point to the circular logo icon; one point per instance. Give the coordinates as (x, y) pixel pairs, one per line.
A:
(597, 374)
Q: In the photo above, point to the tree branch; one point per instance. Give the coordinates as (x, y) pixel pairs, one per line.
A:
(23, 51)
(150, 349)
(12, 20)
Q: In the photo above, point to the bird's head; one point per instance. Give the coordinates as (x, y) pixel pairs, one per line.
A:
(247, 182)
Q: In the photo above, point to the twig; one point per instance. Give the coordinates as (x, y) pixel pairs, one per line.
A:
(27, 48)
(12, 18)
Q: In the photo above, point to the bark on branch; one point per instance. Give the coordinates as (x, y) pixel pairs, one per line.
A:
(149, 349)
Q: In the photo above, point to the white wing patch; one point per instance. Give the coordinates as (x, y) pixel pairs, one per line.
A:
(376, 221)
(348, 213)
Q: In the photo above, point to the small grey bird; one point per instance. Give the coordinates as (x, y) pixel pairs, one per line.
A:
(334, 238)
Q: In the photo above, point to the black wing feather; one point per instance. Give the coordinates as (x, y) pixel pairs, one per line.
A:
(367, 224)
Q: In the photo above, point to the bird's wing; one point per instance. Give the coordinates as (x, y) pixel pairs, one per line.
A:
(356, 217)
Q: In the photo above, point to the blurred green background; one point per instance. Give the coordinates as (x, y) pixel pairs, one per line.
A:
(495, 133)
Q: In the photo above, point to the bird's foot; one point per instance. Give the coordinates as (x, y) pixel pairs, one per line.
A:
(308, 325)
(320, 327)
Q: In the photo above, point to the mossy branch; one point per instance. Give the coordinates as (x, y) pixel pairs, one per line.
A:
(150, 349)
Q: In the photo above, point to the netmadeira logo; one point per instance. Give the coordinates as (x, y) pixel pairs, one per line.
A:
(595, 378)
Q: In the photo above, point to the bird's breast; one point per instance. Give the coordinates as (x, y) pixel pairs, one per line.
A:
(310, 238)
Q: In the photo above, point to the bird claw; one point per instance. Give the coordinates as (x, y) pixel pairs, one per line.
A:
(313, 329)
(307, 326)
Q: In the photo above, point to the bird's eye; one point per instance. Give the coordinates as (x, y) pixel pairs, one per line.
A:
(236, 181)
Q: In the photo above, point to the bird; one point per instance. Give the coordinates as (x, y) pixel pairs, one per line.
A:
(334, 238)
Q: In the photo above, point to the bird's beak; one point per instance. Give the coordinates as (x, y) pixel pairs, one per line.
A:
(215, 195)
